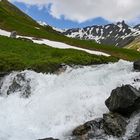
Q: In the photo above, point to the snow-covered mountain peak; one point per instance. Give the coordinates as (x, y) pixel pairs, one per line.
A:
(118, 34)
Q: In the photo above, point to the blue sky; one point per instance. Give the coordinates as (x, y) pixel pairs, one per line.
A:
(81, 13)
(44, 15)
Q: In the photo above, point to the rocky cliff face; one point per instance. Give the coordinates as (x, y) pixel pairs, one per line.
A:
(119, 34)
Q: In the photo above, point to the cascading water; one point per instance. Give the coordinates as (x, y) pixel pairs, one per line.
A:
(59, 103)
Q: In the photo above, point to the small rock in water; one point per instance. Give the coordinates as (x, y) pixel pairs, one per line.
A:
(90, 130)
(114, 124)
(124, 100)
(18, 84)
(91, 125)
(136, 65)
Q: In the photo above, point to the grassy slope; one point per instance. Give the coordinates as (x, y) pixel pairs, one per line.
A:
(18, 55)
(11, 18)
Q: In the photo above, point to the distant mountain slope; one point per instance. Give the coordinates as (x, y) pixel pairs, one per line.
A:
(11, 18)
(137, 27)
(119, 34)
(135, 45)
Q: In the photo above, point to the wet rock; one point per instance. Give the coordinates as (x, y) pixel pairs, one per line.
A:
(124, 100)
(114, 124)
(91, 125)
(90, 130)
(13, 34)
(20, 84)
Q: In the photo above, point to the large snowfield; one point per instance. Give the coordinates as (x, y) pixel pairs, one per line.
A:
(59, 103)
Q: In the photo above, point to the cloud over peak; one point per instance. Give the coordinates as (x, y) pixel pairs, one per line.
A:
(83, 10)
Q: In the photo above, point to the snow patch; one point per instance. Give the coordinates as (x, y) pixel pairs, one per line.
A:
(66, 46)
(37, 28)
(55, 44)
(4, 33)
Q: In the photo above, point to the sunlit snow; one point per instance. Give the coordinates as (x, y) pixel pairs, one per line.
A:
(55, 44)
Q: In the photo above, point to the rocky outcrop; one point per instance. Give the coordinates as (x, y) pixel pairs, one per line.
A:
(114, 124)
(111, 124)
(124, 100)
(15, 83)
(90, 130)
(88, 126)
(136, 65)
(20, 83)
(124, 104)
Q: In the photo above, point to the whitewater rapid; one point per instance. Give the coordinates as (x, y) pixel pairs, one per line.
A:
(59, 103)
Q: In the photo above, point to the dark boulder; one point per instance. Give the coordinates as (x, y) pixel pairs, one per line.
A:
(90, 130)
(88, 126)
(114, 124)
(124, 100)
(136, 65)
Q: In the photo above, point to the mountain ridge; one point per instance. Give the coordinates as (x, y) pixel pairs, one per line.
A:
(119, 34)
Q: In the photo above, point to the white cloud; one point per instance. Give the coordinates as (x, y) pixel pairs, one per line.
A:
(82, 10)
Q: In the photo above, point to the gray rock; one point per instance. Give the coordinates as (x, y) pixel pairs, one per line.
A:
(20, 84)
(124, 100)
(136, 65)
(13, 34)
(114, 124)
(90, 130)
(91, 125)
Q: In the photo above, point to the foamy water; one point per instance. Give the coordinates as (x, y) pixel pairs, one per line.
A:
(59, 103)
